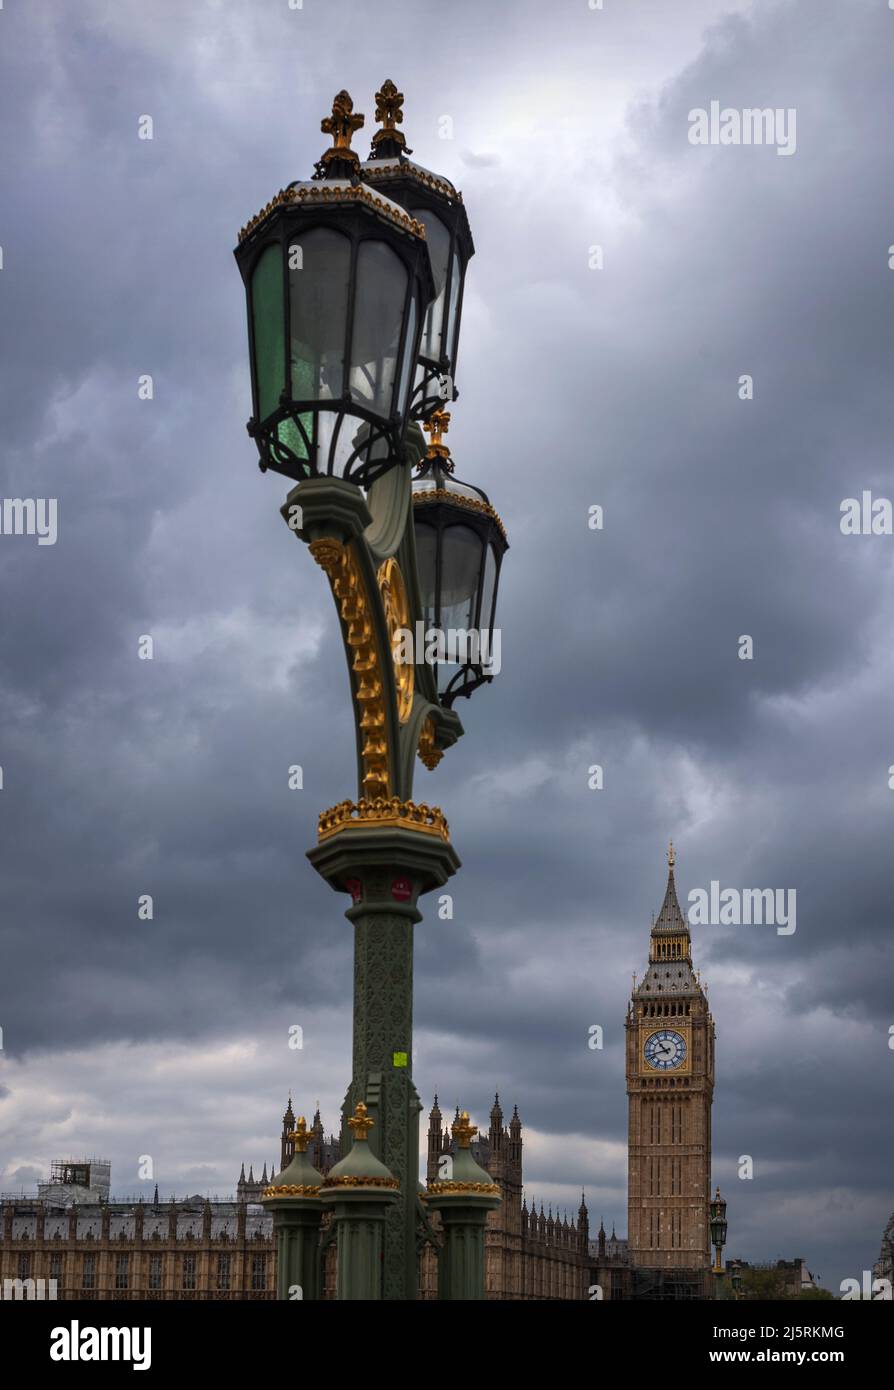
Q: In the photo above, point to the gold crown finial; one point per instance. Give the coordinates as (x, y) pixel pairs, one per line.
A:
(462, 1131)
(360, 1124)
(671, 855)
(389, 114)
(341, 126)
(299, 1135)
(437, 426)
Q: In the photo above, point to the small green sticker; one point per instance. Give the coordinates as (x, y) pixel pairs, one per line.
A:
(400, 1059)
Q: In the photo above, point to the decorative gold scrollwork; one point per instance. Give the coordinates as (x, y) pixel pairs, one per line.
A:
(397, 621)
(340, 564)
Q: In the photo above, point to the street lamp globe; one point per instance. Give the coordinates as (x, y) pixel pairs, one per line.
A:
(432, 200)
(338, 281)
(460, 544)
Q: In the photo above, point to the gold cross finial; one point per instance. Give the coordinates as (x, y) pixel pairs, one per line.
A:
(389, 114)
(299, 1135)
(341, 126)
(671, 855)
(464, 1132)
(360, 1124)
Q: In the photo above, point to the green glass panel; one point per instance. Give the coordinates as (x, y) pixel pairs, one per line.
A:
(288, 433)
(269, 329)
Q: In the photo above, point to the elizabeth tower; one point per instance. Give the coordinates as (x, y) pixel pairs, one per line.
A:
(670, 1085)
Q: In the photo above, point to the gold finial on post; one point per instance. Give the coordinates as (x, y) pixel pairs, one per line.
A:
(671, 855)
(299, 1135)
(360, 1124)
(462, 1131)
(340, 160)
(389, 114)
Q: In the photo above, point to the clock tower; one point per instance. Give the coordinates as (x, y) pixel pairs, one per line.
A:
(670, 1085)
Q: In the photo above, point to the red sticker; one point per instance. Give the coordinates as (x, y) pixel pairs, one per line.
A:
(402, 889)
(354, 887)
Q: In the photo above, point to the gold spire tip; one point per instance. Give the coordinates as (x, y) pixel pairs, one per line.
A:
(462, 1131)
(360, 1124)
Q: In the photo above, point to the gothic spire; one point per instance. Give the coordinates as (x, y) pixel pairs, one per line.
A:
(670, 918)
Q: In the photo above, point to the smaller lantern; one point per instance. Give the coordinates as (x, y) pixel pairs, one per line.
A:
(338, 280)
(433, 201)
(460, 544)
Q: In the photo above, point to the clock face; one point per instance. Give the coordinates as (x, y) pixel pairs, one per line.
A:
(665, 1051)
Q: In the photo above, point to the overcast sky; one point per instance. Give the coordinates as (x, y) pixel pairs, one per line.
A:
(617, 387)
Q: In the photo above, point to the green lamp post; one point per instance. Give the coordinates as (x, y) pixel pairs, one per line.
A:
(718, 1239)
(339, 281)
(293, 1199)
(462, 1201)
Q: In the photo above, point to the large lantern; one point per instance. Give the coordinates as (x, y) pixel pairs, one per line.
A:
(433, 201)
(460, 544)
(339, 283)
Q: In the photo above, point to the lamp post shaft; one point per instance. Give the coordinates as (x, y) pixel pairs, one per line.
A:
(382, 1074)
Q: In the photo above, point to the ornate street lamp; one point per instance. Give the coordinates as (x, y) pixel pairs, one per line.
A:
(432, 200)
(718, 1231)
(339, 281)
(460, 544)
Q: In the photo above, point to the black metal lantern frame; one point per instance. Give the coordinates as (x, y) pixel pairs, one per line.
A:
(348, 425)
(432, 200)
(446, 512)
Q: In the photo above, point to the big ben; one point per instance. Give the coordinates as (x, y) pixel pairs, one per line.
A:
(670, 1086)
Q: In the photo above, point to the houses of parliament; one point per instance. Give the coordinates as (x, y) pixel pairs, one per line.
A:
(93, 1247)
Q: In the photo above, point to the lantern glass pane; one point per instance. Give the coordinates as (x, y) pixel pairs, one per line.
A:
(268, 330)
(379, 301)
(288, 433)
(438, 238)
(318, 298)
(426, 563)
(487, 594)
(460, 568)
(409, 358)
(451, 326)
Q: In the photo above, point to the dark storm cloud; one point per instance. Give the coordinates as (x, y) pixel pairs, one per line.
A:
(616, 387)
